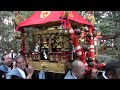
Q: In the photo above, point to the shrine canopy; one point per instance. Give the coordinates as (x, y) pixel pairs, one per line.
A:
(51, 18)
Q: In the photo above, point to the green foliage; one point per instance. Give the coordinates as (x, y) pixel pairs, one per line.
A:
(108, 22)
(7, 40)
(26, 14)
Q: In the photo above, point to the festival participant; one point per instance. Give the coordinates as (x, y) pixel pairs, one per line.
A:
(112, 70)
(5, 67)
(22, 70)
(77, 70)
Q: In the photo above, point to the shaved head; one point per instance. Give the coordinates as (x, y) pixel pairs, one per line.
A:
(78, 69)
(77, 64)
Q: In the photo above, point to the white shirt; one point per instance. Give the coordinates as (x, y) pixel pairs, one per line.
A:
(104, 75)
(14, 54)
(22, 73)
(74, 76)
(69, 75)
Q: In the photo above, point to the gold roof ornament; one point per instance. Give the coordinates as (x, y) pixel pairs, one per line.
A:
(92, 19)
(44, 14)
(89, 15)
(66, 13)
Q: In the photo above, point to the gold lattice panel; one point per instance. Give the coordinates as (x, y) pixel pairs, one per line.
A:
(49, 66)
(53, 41)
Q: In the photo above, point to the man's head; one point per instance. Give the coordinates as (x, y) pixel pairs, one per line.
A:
(20, 62)
(78, 69)
(5, 52)
(12, 51)
(6, 59)
(112, 69)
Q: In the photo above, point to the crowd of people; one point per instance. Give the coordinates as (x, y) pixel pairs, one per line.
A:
(16, 67)
(78, 71)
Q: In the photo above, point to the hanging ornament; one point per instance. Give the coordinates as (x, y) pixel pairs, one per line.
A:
(89, 59)
(61, 31)
(81, 40)
(88, 35)
(86, 29)
(66, 32)
(77, 31)
(85, 48)
(91, 64)
(94, 33)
